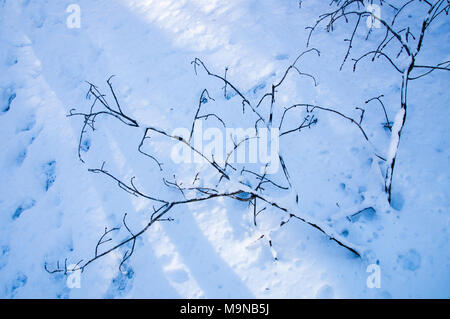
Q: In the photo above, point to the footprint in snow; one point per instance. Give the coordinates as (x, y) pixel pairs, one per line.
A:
(6, 98)
(325, 292)
(410, 260)
(26, 205)
(50, 174)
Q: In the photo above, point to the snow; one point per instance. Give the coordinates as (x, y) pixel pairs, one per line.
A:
(395, 140)
(52, 208)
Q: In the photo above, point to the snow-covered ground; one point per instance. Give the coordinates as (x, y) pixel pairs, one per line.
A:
(52, 208)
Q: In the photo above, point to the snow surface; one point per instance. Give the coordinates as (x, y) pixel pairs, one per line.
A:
(52, 208)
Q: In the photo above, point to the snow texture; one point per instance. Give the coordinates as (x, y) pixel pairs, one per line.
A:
(52, 208)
